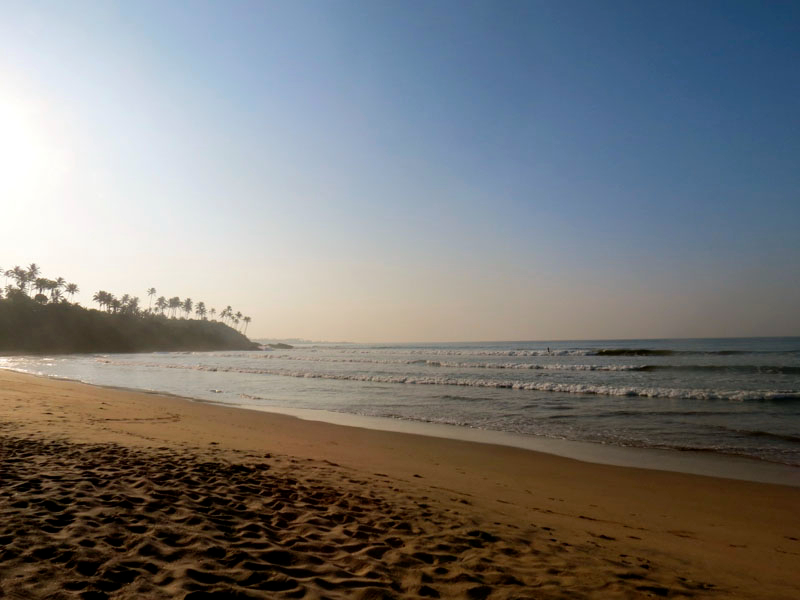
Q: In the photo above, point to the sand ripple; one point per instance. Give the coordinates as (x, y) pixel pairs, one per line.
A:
(107, 521)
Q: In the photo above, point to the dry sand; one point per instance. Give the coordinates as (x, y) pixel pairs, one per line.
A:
(115, 494)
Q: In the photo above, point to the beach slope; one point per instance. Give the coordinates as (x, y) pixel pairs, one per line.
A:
(115, 494)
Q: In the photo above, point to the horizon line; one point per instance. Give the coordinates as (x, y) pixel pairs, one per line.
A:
(521, 341)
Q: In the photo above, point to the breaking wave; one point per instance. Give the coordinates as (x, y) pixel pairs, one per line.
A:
(642, 351)
(454, 365)
(567, 388)
(426, 362)
(743, 369)
(661, 352)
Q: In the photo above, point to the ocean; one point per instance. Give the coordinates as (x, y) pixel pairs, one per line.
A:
(727, 397)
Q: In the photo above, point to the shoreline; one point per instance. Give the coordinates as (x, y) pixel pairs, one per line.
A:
(553, 525)
(690, 462)
(710, 464)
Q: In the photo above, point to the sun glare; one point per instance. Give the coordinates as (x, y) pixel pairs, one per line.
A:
(23, 151)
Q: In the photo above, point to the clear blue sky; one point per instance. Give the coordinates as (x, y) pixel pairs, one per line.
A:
(413, 170)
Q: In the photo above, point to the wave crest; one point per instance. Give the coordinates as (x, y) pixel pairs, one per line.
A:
(567, 388)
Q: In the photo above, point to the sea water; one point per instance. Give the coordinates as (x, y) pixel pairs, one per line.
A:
(733, 397)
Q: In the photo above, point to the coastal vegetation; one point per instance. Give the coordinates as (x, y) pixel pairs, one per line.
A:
(38, 314)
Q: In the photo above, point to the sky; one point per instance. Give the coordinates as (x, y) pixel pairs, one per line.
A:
(413, 171)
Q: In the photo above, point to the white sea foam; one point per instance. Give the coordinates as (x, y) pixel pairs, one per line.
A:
(453, 365)
(468, 352)
(541, 386)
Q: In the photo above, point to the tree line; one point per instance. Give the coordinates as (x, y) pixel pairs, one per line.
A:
(29, 280)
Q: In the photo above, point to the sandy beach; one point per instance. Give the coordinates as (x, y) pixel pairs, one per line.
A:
(114, 494)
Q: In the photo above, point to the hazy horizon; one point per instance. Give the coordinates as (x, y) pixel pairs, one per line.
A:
(412, 172)
(519, 341)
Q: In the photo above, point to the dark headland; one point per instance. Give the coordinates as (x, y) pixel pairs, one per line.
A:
(28, 326)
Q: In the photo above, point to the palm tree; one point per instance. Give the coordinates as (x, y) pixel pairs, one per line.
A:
(7, 274)
(40, 285)
(52, 287)
(20, 275)
(101, 298)
(33, 271)
(28, 279)
(105, 299)
(71, 289)
(174, 304)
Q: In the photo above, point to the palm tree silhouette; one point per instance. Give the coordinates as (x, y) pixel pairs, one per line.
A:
(33, 271)
(71, 289)
(52, 287)
(28, 279)
(60, 282)
(174, 305)
(40, 284)
(20, 275)
(102, 297)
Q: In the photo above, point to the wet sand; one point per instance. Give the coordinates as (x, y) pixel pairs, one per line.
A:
(116, 494)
